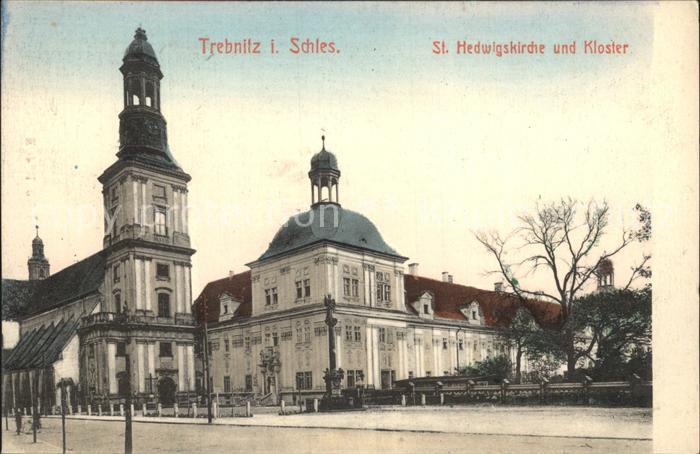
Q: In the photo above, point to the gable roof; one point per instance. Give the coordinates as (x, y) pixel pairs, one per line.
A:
(41, 347)
(22, 299)
(499, 308)
(239, 286)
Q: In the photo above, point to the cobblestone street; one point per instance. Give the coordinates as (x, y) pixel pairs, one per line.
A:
(416, 430)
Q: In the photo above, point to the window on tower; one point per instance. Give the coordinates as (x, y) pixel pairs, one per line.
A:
(162, 271)
(163, 305)
(115, 273)
(159, 222)
(159, 192)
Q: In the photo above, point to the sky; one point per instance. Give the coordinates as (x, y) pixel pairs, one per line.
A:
(432, 148)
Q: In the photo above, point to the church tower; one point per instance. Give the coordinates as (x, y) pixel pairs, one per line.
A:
(147, 285)
(38, 264)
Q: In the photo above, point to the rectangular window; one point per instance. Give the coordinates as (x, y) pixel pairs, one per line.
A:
(166, 350)
(304, 380)
(346, 286)
(461, 344)
(158, 192)
(118, 303)
(162, 271)
(271, 296)
(159, 221)
(300, 290)
(121, 349)
(115, 273)
(115, 219)
(348, 333)
(163, 305)
(307, 334)
(382, 335)
(91, 351)
(426, 309)
(444, 343)
(275, 340)
(351, 379)
(249, 383)
(227, 384)
(307, 288)
(355, 287)
(226, 345)
(358, 334)
(115, 195)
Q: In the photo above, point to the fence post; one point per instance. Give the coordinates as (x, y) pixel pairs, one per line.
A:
(143, 409)
(248, 413)
(586, 388)
(80, 409)
(504, 388)
(194, 409)
(99, 409)
(70, 408)
(543, 386)
(282, 406)
(89, 410)
(176, 409)
(160, 409)
(403, 400)
(315, 405)
(111, 409)
(215, 408)
(121, 409)
(422, 399)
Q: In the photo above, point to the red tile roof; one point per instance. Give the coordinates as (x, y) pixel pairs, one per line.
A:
(498, 307)
(238, 286)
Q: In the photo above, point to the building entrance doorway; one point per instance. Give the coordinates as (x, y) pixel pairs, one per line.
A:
(166, 391)
(122, 384)
(388, 377)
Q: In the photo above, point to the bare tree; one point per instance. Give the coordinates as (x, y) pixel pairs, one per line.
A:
(562, 239)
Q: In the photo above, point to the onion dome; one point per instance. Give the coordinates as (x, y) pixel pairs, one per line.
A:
(140, 49)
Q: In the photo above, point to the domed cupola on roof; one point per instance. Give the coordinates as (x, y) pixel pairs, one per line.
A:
(140, 49)
(324, 176)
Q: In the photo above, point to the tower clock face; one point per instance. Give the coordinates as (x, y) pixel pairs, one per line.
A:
(152, 128)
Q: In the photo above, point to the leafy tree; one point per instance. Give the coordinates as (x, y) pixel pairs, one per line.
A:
(497, 367)
(619, 323)
(561, 238)
(520, 336)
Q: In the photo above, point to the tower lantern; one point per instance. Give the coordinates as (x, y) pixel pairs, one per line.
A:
(324, 176)
(37, 264)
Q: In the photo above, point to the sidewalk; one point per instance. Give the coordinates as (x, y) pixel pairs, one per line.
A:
(589, 422)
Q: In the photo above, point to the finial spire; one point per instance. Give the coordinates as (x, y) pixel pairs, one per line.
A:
(323, 142)
(37, 230)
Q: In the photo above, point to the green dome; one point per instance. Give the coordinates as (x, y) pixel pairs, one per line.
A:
(328, 223)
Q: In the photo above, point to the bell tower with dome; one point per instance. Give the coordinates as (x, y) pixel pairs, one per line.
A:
(324, 176)
(146, 308)
(37, 264)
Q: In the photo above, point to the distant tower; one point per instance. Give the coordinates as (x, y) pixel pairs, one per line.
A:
(324, 176)
(606, 275)
(37, 263)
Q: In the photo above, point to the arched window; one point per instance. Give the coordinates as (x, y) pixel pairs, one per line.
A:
(163, 305)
